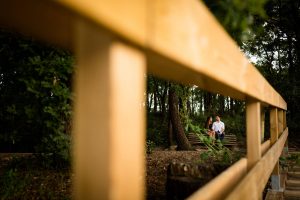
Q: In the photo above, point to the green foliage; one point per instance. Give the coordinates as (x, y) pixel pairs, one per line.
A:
(149, 146)
(237, 16)
(292, 158)
(224, 156)
(26, 178)
(216, 151)
(55, 151)
(275, 47)
(184, 93)
(235, 124)
(35, 96)
(11, 186)
(156, 130)
(195, 128)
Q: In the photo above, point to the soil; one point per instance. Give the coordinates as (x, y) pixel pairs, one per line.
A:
(157, 165)
(53, 181)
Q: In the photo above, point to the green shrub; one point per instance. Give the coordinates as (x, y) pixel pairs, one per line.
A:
(157, 130)
(11, 186)
(216, 151)
(55, 151)
(35, 97)
(149, 146)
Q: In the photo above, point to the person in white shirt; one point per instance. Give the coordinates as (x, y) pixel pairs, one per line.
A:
(219, 128)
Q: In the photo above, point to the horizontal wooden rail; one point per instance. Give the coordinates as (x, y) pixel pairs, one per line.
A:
(265, 147)
(258, 176)
(220, 186)
(181, 39)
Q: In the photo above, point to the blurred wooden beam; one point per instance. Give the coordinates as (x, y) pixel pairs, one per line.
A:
(44, 20)
(109, 117)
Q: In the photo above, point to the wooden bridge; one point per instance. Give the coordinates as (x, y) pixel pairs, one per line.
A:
(116, 42)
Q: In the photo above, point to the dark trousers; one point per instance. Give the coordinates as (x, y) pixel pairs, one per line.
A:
(219, 135)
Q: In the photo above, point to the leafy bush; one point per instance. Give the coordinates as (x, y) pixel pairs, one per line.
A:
(157, 130)
(55, 151)
(35, 97)
(216, 151)
(11, 185)
(149, 146)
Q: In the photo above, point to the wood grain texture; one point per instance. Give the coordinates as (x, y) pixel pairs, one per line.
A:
(197, 50)
(253, 184)
(253, 129)
(280, 121)
(262, 118)
(181, 39)
(265, 147)
(274, 131)
(284, 119)
(108, 144)
(126, 18)
(220, 186)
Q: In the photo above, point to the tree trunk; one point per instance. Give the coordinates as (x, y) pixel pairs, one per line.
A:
(221, 104)
(150, 102)
(170, 133)
(163, 103)
(231, 107)
(155, 102)
(207, 102)
(181, 139)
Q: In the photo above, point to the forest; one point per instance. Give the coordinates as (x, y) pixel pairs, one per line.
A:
(36, 90)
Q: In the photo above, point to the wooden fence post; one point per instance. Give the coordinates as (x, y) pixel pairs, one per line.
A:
(275, 178)
(284, 120)
(253, 124)
(280, 121)
(286, 146)
(108, 144)
(262, 125)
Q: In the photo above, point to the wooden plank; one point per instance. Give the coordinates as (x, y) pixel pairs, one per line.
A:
(171, 32)
(186, 42)
(253, 184)
(108, 145)
(253, 129)
(274, 134)
(265, 147)
(220, 186)
(280, 121)
(290, 194)
(45, 20)
(284, 119)
(274, 125)
(126, 18)
(285, 152)
(262, 124)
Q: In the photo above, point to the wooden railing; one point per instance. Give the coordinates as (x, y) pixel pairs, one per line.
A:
(116, 42)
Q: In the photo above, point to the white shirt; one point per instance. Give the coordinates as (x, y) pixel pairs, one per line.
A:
(218, 126)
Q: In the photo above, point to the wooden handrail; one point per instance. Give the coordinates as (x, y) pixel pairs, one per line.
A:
(180, 40)
(191, 59)
(257, 178)
(220, 186)
(265, 147)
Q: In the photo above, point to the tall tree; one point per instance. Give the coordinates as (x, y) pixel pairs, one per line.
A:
(177, 128)
(276, 46)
